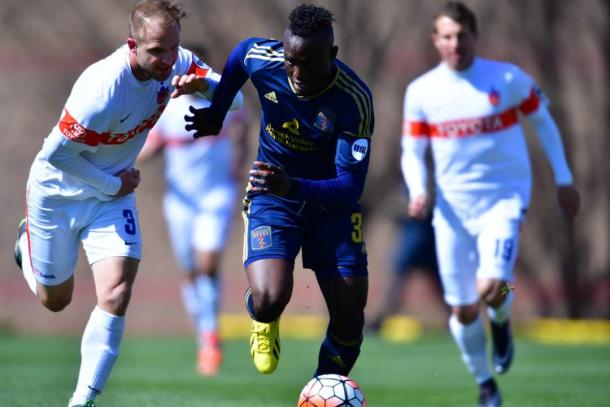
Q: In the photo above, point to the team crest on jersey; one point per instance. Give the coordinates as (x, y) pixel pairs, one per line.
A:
(200, 63)
(324, 121)
(162, 94)
(260, 238)
(494, 97)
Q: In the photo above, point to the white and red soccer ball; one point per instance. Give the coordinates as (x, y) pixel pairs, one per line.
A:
(331, 390)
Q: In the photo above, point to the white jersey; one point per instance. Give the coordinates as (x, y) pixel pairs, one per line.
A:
(104, 125)
(194, 167)
(471, 121)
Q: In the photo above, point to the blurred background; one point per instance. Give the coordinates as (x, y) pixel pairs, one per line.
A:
(563, 271)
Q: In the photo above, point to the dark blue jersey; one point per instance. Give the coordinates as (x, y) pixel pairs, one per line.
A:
(323, 142)
(309, 136)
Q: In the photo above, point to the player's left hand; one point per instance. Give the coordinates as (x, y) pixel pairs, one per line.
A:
(187, 84)
(268, 178)
(568, 198)
(203, 122)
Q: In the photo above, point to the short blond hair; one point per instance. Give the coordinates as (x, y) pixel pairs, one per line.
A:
(169, 11)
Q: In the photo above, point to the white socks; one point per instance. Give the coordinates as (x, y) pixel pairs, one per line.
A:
(201, 301)
(26, 265)
(99, 351)
(207, 289)
(502, 313)
(471, 341)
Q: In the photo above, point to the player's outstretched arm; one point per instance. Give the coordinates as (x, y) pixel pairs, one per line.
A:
(208, 121)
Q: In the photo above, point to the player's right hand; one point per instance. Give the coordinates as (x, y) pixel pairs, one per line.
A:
(419, 207)
(129, 181)
(203, 122)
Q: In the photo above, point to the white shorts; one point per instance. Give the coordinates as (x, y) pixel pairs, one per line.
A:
(199, 226)
(56, 226)
(485, 247)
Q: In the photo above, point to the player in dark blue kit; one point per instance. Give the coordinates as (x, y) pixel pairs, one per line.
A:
(304, 187)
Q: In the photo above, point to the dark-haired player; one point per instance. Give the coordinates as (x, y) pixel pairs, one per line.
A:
(304, 187)
(467, 111)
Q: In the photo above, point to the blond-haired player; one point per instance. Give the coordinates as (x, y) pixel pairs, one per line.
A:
(81, 183)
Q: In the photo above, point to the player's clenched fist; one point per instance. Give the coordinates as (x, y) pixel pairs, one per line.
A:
(129, 181)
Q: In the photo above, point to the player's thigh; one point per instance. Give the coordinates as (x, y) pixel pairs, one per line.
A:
(272, 229)
(213, 220)
(53, 238)
(457, 261)
(498, 246)
(113, 231)
(333, 243)
(179, 215)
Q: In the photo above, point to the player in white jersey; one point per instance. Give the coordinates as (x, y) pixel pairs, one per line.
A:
(466, 110)
(81, 183)
(201, 178)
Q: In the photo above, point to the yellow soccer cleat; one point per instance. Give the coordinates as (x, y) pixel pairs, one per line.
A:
(265, 345)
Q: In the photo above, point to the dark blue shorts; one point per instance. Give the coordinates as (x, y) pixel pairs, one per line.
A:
(415, 246)
(331, 240)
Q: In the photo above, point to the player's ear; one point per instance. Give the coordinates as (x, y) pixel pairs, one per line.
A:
(132, 44)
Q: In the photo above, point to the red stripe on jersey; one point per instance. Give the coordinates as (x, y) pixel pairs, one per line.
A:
(465, 127)
(415, 129)
(197, 70)
(73, 130)
(530, 105)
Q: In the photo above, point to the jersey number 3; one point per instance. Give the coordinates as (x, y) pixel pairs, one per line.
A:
(357, 232)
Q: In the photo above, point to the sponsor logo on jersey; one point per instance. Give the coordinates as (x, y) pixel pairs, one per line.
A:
(74, 131)
(292, 126)
(324, 122)
(261, 238)
(360, 148)
(494, 97)
(271, 96)
(162, 94)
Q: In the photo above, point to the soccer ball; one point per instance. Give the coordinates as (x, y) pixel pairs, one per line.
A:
(331, 390)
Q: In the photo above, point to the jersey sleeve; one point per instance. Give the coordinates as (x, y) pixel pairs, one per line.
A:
(88, 113)
(525, 92)
(87, 116)
(259, 53)
(415, 142)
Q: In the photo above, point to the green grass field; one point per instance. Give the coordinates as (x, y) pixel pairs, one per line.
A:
(41, 371)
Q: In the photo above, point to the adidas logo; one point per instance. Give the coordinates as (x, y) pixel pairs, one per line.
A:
(271, 96)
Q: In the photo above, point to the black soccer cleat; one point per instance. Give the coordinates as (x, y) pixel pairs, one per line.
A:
(503, 347)
(489, 394)
(17, 250)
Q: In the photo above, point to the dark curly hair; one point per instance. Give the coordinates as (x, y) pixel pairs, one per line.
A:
(307, 19)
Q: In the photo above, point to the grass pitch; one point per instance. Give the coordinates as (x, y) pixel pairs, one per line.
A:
(41, 371)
